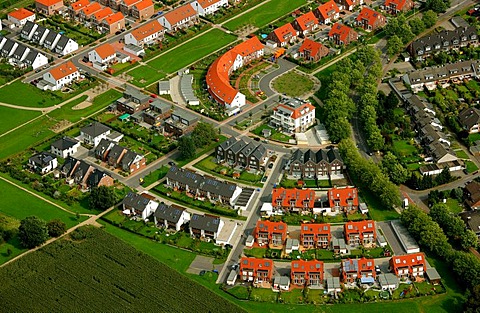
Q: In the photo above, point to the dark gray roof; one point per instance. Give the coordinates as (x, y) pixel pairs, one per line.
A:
(259, 152)
(42, 159)
(102, 147)
(329, 155)
(31, 56)
(217, 187)
(228, 143)
(432, 273)
(95, 129)
(171, 214)
(64, 143)
(62, 42)
(50, 37)
(186, 177)
(27, 28)
(238, 146)
(186, 115)
(115, 151)
(136, 201)
(131, 92)
(443, 39)
(7, 47)
(469, 117)
(19, 52)
(206, 222)
(248, 149)
(472, 219)
(431, 74)
(438, 150)
(81, 170)
(160, 105)
(95, 177)
(128, 158)
(38, 33)
(68, 166)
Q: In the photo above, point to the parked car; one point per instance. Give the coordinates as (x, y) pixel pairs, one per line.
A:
(270, 165)
(171, 163)
(256, 139)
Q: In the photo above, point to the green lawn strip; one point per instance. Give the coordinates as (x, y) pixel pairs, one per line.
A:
(11, 249)
(14, 117)
(180, 57)
(454, 206)
(255, 252)
(239, 292)
(276, 135)
(294, 296)
(462, 154)
(376, 210)
(404, 148)
(26, 136)
(471, 167)
(293, 84)
(265, 14)
(20, 204)
(155, 175)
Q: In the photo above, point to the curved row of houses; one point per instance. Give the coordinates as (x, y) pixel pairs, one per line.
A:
(218, 82)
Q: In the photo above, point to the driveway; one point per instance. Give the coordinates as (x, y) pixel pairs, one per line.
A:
(264, 82)
(391, 238)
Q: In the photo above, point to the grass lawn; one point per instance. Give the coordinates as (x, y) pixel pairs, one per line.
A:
(180, 57)
(275, 134)
(376, 210)
(155, 175)
(240, 292)
(462, 154)
(14, 117)
(255, 252)
(263, 295)
(471, 167)
(265, 14)
(31, 205)
(26, 136)
(454, 205)
(294, 296)
(10, 249)
(250, 177)
(404, 148)
(473, 137)
(293, 84)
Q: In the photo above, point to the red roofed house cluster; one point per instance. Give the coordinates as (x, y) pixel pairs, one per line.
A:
(59, 76)
(410, 265)
(360, 233)
(306, 23)
(206, 7)
(349, 4)
(48, 7)
(271, 234)
(307, 273)
(146, 35)
(218, 82)
(353, 269)
(283, 35)
(342, 35)
(369, 19)
(312, 51)
(181, 17)
(256, 270)
(315, 236)
(20, 16)
(343, 199)
(396, 6)
(327, 12)
(102, 18)
(293, 200)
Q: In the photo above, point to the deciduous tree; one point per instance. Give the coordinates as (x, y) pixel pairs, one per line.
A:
(102, 198)
(32, 232)
(186, 146)
(56, 228)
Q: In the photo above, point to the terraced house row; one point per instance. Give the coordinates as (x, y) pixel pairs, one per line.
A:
(239, 153)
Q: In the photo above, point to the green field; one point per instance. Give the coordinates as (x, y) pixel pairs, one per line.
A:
(177, 58)
(13, 117)
(96, 272)
(26, 136)
(99, 102)
(20, 204)
(293, 84)
(265, 14)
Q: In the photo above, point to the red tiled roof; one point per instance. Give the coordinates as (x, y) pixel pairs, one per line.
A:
(363, 264)
(307, 19)
(143, 4)
(147, 30)
(296, 113)
(343, 194)
(21, 14)
(105, 50)
(310, 45)
(114, 18)
(271, 228)
(63, 70)
(299, 195)
(256, 265)
(129, 2)
(92, 8)
(103, 13)
(341, 30)
(79, 5)
(359, 227)
(349, 2)
(408, 260)
(370, 15)
(399, 3)
(206, 3)
(217, 77)
(315, 229)
(283, 33)
(180, 13)
(327, 8)
(48, 3)
(311, 266)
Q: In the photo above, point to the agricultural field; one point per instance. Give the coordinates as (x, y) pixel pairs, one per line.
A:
(265, 14)
(94, 272)
(293, 84)
(179, 57)
(13, 117)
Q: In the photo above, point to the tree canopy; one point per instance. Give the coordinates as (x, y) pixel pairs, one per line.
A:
(32, 232)
(102, 198)
(56, 228)
(186, 146)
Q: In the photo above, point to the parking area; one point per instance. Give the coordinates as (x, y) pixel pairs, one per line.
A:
(200, 263)
(391, 238)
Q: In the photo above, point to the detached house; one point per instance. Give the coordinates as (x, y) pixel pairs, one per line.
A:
(307, 273)
(48, 7)
(65, 45)
(173, 217)
(369, 19)
(142, 10)
(293, 116)
(342, 35)
(59, 76)
(321, 164)
(256, 270)
(410, 265)
(35, 59)
(349, 5)
(362, 269)
(206, 7)
(43, 162)
(344, 199)
(469, 118)
(312, 51)
(64, 147)
(181, 17)
(360, 233)
(94, 133)
(205, 226)
(306, 23)
(21, 16)
(112, 23)
(146, 35)
(327, 12)
(293, 200)
(102, 55)
(397, 6)
(141, 205)
(270, 234)
(316, 236)
(283, 35)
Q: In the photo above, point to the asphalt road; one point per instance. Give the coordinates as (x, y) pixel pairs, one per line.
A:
(264, 83)
(391, 238)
